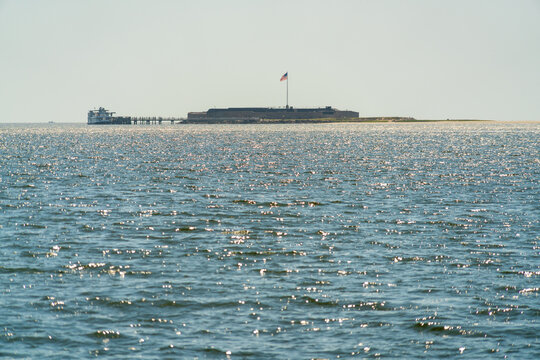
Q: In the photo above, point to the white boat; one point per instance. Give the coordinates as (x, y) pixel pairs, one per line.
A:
(102, 116)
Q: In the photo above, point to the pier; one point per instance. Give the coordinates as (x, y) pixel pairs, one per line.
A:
(102, 116)
(154, 120)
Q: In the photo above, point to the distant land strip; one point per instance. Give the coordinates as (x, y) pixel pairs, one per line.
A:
(321, 120)
(254, 115)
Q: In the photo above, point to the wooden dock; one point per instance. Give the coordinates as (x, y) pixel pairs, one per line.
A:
(154, 120)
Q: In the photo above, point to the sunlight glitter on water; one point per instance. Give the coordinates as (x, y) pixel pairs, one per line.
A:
(358, 240)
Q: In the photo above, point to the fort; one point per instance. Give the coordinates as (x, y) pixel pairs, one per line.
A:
(263, 114)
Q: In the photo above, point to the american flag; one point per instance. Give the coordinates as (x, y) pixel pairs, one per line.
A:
(284, 77)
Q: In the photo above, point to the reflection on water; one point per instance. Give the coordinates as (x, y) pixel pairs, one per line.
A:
(277, 241)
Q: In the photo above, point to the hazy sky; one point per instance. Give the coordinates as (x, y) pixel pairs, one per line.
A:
(420, 58)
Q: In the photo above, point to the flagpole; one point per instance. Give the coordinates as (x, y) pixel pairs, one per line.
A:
(286, 78)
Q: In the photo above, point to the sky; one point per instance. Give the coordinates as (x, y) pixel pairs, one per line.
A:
(429, 59)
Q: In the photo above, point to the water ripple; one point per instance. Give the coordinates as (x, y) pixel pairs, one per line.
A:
(270, 241)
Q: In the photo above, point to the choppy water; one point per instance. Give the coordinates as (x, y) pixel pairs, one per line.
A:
(252, 241)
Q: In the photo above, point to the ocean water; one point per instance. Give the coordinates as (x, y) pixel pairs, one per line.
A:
(270, 241)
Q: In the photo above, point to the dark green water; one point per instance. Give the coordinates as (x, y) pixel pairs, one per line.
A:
(274, 242)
